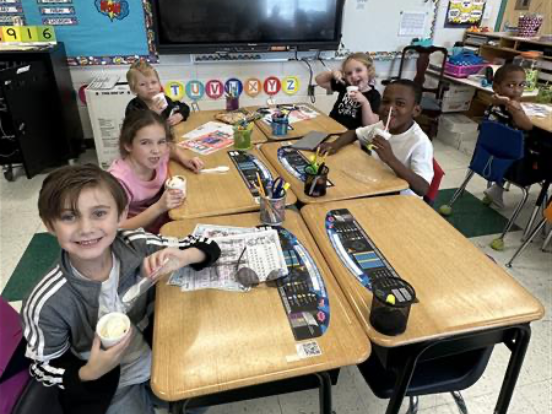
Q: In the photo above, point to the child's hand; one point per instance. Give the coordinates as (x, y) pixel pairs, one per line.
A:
(328, 148)
(499, 100)
(101, 361)
(194, 164)
(513, 106)
(170, 199)
(357, 96)
(338, 76)
(383, 149)
(171, 259)
(175, 119)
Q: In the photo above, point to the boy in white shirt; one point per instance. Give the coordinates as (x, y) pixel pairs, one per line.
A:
(408, 151)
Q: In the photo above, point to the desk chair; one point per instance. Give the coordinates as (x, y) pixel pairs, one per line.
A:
(431, 105)
(547, 217)
(498, 147)
(434, 376)
(433, 190)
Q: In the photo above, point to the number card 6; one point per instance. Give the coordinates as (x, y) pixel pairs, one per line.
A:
(46, 34)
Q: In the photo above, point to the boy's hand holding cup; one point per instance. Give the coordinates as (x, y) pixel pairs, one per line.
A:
(112, 328)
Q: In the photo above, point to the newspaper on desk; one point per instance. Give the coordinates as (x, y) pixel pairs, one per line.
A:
(536, 110)
(299, 113)
(262, 255)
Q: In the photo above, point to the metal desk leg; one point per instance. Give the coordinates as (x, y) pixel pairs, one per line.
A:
(325, 392)
(518, 346)
(401, 385)
(178, 407)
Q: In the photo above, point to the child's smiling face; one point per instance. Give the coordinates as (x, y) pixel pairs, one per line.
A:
(403, 101)
(356, 74)
(147, 86)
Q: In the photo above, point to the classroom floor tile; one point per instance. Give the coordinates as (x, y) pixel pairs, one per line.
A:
(19, 222)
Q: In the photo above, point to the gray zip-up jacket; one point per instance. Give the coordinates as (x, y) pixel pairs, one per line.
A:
(60, 316)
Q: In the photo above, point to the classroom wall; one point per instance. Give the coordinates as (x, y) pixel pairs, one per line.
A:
(178, 67)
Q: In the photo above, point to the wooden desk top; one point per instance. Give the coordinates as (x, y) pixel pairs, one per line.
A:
(217, 194)
(459, 288)
(543, 123)
(321, 123)
(353, 172)
(210, 341)
(196, 119)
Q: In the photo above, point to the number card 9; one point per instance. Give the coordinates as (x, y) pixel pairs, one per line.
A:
(11, 34)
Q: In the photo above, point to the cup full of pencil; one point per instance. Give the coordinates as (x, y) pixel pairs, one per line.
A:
(391, 303)
(232, 101)
(242, 135)
(280, 124)
(272, 200)
(316, 176)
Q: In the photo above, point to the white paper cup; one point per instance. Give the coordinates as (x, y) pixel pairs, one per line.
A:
(160, 100)
(177, 182)
(382, 133)
(112, 328)
(351, 89)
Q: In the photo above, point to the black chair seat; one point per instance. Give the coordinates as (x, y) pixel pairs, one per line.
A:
(430, 104)
(454, 373)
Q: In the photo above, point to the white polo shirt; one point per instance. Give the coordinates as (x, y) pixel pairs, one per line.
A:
(412, 148)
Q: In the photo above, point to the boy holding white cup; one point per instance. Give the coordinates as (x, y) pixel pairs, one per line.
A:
(83, 207)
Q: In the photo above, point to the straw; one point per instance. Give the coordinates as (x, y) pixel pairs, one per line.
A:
(388, 119)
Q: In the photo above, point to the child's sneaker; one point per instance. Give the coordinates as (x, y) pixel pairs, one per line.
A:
(493, 195)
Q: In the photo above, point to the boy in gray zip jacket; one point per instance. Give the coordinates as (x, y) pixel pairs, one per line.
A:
(83, 206)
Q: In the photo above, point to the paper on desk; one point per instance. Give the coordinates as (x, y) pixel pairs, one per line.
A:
(212, 231)
(302, 113)
(263, 255)
(536, 110)
(209, 128)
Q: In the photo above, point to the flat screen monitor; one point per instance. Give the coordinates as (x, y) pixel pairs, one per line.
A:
(206, 26)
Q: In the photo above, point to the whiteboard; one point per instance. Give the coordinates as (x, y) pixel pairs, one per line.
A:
(375, 25)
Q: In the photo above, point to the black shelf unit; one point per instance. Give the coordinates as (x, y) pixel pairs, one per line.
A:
(40, 124)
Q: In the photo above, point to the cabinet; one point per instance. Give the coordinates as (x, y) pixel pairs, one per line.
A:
(39, 121)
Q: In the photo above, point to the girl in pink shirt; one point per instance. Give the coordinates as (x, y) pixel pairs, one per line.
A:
(146, 145)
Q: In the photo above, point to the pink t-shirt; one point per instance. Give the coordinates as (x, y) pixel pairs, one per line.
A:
(142, 194)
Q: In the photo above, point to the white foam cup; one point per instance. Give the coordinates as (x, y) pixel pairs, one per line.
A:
(112, 328)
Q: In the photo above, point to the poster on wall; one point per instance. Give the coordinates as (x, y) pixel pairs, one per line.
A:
(464, 13)
(95, 32)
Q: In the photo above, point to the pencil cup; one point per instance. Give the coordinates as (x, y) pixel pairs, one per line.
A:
(280, 127)
(273, 210)
(242, 138)
(392, 298)
(315, 184)
(232, 103)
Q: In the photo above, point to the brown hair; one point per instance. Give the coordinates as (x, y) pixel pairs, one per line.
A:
(363, 58)
(63, 187)
(137, 120)
(142, 67)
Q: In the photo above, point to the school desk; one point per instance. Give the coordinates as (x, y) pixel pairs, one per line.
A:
(543, 123)
(196, 119)
(210, 341)
(353, 173)
(217, 194)
(464, 297)
(322, 123)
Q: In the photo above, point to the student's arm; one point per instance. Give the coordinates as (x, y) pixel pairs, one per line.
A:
(324, 79)
(332, 147)
(370, 107)
(176, 111)
(169, 200)
(520, 118)
(416, 183)
(179, 155)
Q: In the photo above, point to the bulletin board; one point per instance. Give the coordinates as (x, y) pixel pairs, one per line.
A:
(385, 27)
(94, 32)
(464, 13)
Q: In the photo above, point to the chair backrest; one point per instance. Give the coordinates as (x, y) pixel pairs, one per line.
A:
(422, 63)
(36, 398)
(438, 174)
(498, 147)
